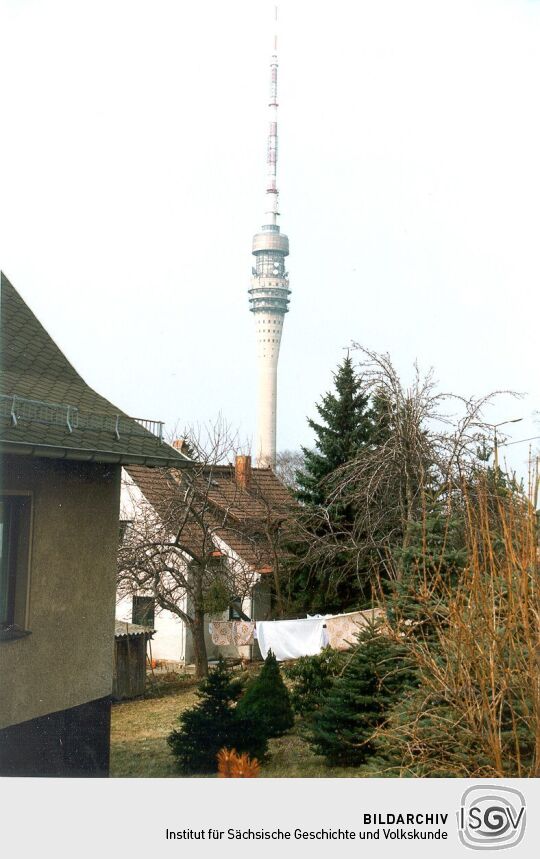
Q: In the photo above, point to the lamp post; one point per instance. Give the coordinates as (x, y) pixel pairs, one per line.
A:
(495, 444)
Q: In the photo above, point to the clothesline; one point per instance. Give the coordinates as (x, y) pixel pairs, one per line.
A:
(291, 639)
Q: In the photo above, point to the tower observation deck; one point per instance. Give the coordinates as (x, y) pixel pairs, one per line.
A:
(269, 293)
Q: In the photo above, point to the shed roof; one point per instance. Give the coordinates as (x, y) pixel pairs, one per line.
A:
(47, 409)
(123, 629)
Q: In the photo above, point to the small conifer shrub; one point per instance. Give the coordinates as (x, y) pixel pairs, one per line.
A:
(312, 678)
(266, 700)
(213, 724)
(359, 702)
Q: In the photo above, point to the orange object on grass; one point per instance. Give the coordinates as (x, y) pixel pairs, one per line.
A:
(233, 765)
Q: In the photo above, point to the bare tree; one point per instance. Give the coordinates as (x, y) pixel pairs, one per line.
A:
(426, 442)
(288, 463)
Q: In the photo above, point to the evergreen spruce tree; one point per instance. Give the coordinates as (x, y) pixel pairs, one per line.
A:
(346, 426)
(213, 724)
(430, 566)
(312, 678)
(342, 729)
(267, 700)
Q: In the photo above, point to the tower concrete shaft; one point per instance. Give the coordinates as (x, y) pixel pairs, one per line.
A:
(269, 293)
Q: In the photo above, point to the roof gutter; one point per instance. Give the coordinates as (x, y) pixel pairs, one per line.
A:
(81, 455)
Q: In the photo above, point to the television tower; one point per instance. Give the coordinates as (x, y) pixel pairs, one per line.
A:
(269, 293)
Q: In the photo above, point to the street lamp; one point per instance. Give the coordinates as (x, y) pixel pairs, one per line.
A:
(495, 445)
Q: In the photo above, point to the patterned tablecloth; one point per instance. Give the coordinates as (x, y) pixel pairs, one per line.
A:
(238, 633)
(343, 628)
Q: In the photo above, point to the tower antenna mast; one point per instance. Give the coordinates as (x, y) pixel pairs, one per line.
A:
(269, 293)
(272, 151)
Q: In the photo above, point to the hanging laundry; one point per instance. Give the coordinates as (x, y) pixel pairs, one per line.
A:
(343, 628)
(243, 632)
(221, 632)
(290, 639)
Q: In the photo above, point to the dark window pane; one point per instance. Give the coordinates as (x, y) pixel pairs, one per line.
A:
(143, 611)
(123, 525)
(4, 562)
(14, 539)
(235, 609)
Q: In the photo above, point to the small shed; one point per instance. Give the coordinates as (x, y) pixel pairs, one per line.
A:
(130, 642)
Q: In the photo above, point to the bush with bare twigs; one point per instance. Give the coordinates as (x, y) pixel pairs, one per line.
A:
(476, 712)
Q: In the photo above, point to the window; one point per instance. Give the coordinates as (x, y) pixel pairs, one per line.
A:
(143, 611)
(123, 526)
(235, 609)
(14, 556)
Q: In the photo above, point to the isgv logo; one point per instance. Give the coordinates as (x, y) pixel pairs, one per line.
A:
(491, 818)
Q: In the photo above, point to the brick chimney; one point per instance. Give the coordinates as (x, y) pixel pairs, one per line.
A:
(179, 444)
(242, 472)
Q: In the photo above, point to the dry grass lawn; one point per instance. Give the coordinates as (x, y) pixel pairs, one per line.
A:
(139, 742)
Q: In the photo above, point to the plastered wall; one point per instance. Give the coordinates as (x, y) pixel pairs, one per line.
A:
(68, 658)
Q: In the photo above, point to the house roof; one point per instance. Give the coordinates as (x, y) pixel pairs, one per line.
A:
(241, 518)
(47, 409)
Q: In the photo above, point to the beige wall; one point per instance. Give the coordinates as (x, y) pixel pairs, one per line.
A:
(68, 658)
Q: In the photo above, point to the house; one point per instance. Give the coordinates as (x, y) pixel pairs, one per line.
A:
(62, 448)
(229, 524)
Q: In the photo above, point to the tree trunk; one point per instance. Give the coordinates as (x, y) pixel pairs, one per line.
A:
(199, 644)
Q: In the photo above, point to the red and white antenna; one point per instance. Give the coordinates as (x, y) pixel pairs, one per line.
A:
(272, 193)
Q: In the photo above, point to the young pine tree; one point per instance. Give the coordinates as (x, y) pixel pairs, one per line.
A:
(213, 724)
(267, 700)
(377, 674)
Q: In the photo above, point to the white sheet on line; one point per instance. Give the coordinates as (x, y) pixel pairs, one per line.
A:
(290, 639)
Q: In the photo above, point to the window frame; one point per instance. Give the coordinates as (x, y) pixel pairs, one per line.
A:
(18, 573)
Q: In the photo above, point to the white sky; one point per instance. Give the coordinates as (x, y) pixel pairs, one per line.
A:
(132, 162)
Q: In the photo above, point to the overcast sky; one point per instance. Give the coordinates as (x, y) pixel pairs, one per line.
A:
(132, 162)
